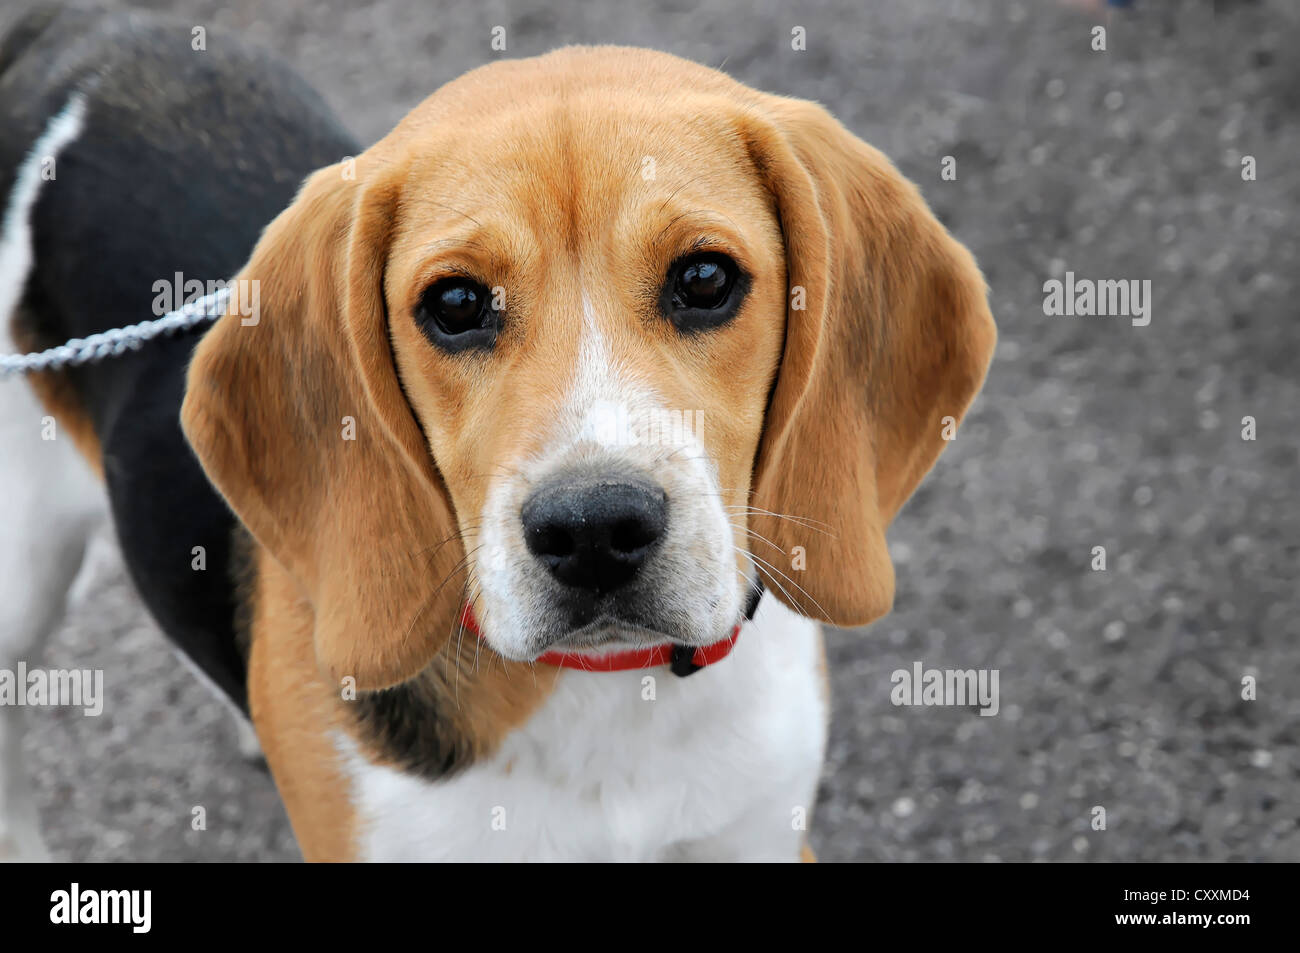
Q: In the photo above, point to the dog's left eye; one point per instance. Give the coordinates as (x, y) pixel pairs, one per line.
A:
(703, 291)
(456, 314)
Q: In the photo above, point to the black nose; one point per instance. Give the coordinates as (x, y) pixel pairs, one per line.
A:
(594, 534)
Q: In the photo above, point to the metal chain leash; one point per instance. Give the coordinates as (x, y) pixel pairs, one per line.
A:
(117, 341)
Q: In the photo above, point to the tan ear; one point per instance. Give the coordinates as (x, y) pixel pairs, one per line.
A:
(364, 525)
(894, 335)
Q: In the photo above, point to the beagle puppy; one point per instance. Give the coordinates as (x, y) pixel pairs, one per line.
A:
(566, 413)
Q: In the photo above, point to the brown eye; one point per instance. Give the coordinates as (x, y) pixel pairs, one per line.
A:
(703, 283)
(703, 291)
(456, 315)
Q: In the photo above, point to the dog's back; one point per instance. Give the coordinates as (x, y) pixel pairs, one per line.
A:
(132, 164)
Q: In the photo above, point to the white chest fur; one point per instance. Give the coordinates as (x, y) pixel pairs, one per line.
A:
(721, 765)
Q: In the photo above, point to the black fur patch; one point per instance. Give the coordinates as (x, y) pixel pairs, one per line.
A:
(181, 161)
(407, 724)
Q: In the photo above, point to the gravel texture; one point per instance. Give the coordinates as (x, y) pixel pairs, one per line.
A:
(1119, 689)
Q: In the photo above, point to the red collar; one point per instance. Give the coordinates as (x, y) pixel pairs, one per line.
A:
(653, 657)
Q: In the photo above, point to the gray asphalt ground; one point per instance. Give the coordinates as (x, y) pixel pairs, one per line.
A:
(1119, 689)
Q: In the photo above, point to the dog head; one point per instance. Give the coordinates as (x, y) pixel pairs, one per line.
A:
(597, 340)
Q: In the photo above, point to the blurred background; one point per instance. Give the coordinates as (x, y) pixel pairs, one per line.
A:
(1119, 689)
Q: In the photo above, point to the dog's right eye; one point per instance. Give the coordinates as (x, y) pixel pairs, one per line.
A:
(456, 314)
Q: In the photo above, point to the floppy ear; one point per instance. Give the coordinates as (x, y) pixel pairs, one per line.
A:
(887, 334)
(301, 423)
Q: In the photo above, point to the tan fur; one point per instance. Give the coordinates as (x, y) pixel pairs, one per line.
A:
(528, 175)
(296, 712)
(897, 336)
(299, 712)
(571, 215)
